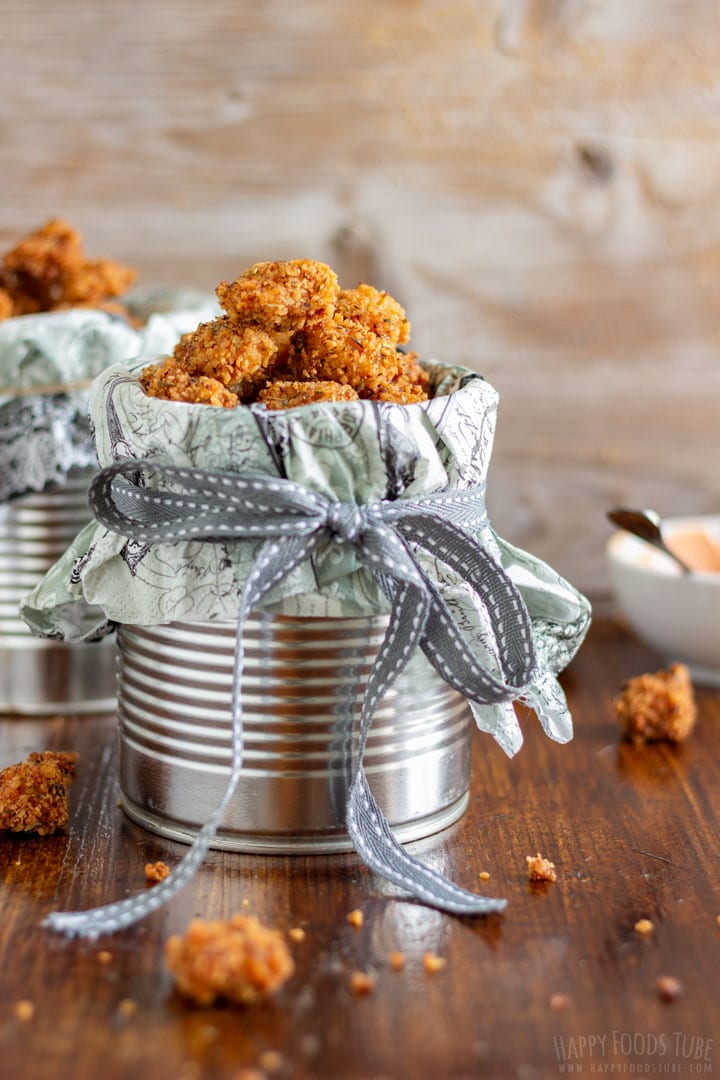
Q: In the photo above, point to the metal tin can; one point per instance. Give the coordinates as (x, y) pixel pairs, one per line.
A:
(38, 676)
(301, 679)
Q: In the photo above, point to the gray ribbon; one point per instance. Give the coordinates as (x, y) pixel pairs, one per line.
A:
(295, 522)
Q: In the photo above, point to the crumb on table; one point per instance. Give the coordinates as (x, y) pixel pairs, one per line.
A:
(397, 960)
(432, 962)
(669, 988)
(34, 793)
(540, 869)
(296, 933)
(24, 1010)
(239, 960)
(356, 918)
(644, 926)
(362, 983)
(156, 872)
(657, 707)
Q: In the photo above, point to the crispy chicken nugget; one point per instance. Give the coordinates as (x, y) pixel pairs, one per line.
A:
(48, 269)
(378, 311)
(173, 383)
(239, 960)
(239, 357)
(346, 353)
(94, 282)
(34, 793)
(285, 394)
(40, 263)
(280, 295)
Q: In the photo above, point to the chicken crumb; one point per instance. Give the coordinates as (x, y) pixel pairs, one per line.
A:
(669, 988)
(239, 960)
(484, 875)
(34, 793)
(296, 933)
(362, 983)
(271, 1061)
(658, 707)
(356, 918)
(104, 957)
(24, 1010)
(559, 1002)
(433, 963)
(397, 961)
(644, 926)
(127, 1008)
(540, 869)
(156, 872)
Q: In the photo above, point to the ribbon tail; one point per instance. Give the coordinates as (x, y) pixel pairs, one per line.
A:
(366, 823)
(275, 560)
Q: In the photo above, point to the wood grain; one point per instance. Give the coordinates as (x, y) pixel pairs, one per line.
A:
(634, 833)
(536, 180)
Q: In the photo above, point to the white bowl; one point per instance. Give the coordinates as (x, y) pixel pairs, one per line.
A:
(676, 613)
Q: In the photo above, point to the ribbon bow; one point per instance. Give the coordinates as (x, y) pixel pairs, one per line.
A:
(295, 523)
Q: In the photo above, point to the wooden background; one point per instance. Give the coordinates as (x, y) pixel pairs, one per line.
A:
(536, 180)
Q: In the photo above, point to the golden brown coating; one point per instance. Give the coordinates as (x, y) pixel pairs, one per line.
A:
(540, 869)
(345, 353)
(34, 793)
(376, 311)
(286, 394)
(237, 961)
(48, 269)
(173, 383)
(291, 337)
(657, 707)
(6, 304)
(280, 295)
(240, 357)
(156, 872)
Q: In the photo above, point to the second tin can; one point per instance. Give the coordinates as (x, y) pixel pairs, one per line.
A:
(303, 679)
(38, 676)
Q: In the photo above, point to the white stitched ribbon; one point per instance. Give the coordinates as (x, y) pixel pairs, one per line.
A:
(295, 522)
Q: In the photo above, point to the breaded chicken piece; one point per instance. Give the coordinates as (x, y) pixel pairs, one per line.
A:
(238, 961)
(173, 383)
(34, 793)
(280, 295)
(377, 311)
(239, 357)
(290, 337)
(657, 707)
(285, 394)
(48, 270)
(346, 353)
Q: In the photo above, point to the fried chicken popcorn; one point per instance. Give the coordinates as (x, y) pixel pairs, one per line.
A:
(239, 961)
(657, 707)
(49, 270)
(291, 336)
(34, 793)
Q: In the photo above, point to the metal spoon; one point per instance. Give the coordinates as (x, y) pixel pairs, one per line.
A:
(646, 524)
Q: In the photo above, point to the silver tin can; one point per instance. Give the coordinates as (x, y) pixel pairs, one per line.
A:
(300, 676)
(37, 676)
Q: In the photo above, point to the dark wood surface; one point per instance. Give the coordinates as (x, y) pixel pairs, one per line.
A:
(634, 834)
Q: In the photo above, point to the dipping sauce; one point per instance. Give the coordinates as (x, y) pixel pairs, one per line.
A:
(696, 548)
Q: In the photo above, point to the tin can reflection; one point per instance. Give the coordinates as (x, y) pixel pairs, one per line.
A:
(302, 680)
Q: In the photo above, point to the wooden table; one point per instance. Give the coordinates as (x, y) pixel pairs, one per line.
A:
(560, 984)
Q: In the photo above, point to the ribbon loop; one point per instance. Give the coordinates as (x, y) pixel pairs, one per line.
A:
(295, 523)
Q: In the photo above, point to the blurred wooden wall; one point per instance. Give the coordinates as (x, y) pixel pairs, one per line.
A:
(538, 181)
